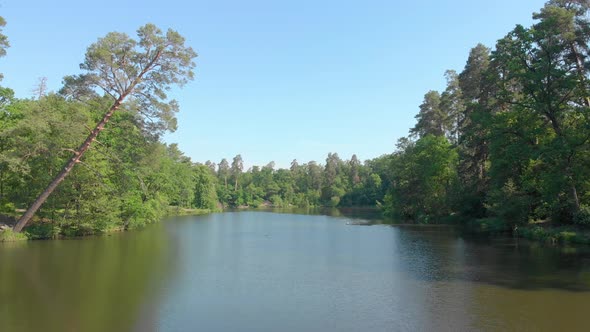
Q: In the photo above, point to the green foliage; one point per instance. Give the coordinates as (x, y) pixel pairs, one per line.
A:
(510, 204)
(487, 226)
(562, 235)
(205, 193)
(423, 172)
(42, 230)
(7, 207)
(334, 201)
(506, 142)
(337, 183)
(582, 217)
(517, 119)
(4, 44)
(277, 201)
(7, 235)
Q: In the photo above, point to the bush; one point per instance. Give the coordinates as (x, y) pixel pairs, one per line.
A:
(568, 237)
(74, 230)
(37, 231)
(7, 207)
(582, 217)
(487, 226)
(276, 201)
(563, 235)
(8, 235)
(510, 204)
(334, 201)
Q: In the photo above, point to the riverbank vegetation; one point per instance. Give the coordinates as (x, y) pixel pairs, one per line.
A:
(507, 143)
(508, 139)
(505, 147)
(50, 157)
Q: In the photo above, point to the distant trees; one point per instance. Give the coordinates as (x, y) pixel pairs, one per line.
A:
(337, 183)
(508, 138)
(237, 166)
(204, 187)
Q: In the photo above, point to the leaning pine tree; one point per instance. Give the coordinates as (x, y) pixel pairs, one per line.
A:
(140, 71)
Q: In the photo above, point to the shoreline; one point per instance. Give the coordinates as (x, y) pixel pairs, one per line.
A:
(50, 230)
(560, 235)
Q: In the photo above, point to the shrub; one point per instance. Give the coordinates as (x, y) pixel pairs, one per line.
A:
(83, 229)
(334, 201)
(7, 207)
(8, 235)
(582, 217)
(510, 204)
(568, 237)
(276, 201)
(536, 233)
(487, 225)
(37, 231)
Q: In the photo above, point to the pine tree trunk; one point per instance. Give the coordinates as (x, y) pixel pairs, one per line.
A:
(581, 71)
(575, 197)
(582, 74)
(22, 222)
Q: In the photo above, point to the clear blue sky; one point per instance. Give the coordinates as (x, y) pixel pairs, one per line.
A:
(276, 80)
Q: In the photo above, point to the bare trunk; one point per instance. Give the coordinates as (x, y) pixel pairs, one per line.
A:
(22, 222)
(1, 184)
(581, 71)
(575, 198)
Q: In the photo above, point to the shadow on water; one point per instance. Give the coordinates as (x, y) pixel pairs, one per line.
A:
(435, 253)
(90, 284)
(443, 253)
(262, 272)
(363, 216)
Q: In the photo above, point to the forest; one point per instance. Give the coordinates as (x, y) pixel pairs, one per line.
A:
(506, 144)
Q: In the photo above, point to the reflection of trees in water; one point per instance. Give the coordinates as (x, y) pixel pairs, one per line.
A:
(435, 254)
(364, 215)
(427, 252)
(529, 266)
(95, 284)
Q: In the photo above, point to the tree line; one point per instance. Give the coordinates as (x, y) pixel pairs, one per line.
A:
(89, 158)
(55, 165)
(336, 183)
(508, 138)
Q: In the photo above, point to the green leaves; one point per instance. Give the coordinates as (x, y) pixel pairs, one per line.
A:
(139, 71)
(423, 175)
(4, 44)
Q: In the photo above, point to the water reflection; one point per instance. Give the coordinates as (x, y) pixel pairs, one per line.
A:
(438, 253)
(262, 271)
(92, 284)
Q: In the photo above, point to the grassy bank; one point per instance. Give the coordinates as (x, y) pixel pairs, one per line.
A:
(177, 211)
(541, 232)
(7, 235)
(44, 229)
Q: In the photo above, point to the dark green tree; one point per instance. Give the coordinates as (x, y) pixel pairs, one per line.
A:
(430, 120)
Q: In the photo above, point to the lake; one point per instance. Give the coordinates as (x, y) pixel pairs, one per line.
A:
(264, 271)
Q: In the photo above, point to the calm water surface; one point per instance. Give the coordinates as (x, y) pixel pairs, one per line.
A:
(261, 271)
